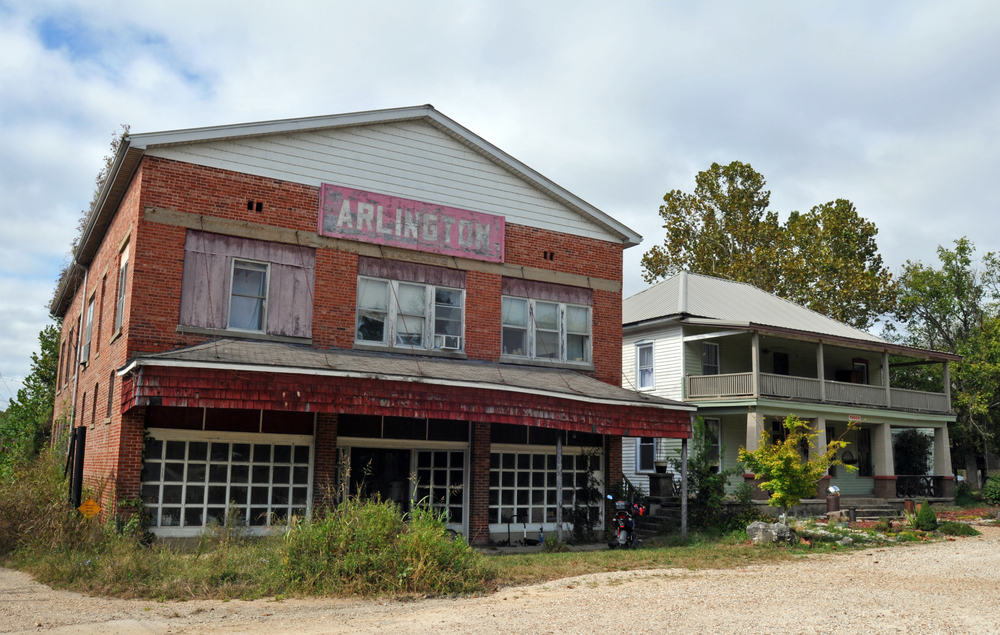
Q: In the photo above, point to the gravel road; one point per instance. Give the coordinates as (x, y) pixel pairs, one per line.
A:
(946, 587)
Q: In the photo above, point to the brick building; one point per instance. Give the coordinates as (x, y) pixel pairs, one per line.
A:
(383, 302)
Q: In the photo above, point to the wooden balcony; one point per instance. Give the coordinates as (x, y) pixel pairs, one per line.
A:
(736, 385)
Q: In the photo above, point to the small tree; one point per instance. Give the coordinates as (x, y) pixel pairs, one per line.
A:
(926, 519)
(783, 471)
(705, 482)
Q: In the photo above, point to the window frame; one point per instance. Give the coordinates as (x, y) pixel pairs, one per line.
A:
(263, 299)
(429, 335)
(531, 343)
(639, 346)
(640, 443)
(88, 330)
(120, 294)
(705, 347)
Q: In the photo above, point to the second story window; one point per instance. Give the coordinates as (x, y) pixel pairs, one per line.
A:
(248, 297)
(410, 316)
(536, 329)
(709, 359)
(89, 321)
(644, 366)
(120, 295)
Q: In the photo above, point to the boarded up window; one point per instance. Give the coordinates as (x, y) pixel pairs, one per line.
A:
(206, 286)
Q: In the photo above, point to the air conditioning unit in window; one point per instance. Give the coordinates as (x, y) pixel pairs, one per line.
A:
(448, 342)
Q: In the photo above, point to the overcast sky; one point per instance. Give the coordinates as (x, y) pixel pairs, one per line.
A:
(893, 105)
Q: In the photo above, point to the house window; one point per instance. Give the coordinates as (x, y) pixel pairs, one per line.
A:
(523, 486)
(122, 279)
(189, 483)
(859, 374)
(89, 320)
(248, 296)
(713, 440)
(419, 316)
(558, 331)
(111, 394)
(100, 315)
(709, 359)
(644, 361)
(645, 454)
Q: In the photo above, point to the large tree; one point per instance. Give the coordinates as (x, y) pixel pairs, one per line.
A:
(956, 308)
(27, 420)
(826, 259)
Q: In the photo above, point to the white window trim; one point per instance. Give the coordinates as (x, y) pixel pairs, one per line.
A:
(120, 298)
(392, 313)
(169, 434)
(638, 364)
(638, 457)
(530, 343)
(718, 358)
(267, 285)
(89, 331)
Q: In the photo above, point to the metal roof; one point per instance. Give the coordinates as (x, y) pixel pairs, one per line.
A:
(257, 356)
(134, 146)
(710, 301)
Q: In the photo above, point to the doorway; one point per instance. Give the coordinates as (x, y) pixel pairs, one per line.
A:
(382, 472)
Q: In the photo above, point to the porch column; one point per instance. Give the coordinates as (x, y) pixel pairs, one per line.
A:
(479, 479)
(947, 384)
(326, 463)
(755, 427)
(885, 378)
(819, 425)
(755, 359)
(821, 371)
(885, 474)
(944, 479)
(128, 475)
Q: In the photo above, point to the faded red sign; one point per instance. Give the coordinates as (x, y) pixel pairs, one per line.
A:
(399, 222)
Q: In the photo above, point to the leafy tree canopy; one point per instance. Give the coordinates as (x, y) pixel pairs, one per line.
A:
(826, 259)
(25, 423)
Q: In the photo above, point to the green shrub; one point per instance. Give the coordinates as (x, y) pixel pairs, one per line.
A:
(883, 525)
(991, 491)
(552, 545)
(951, 528)
(965, 497)
(926, 519)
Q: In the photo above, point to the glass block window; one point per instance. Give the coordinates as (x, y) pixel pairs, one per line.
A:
(523, 484)
(189, 483)
(441, 481)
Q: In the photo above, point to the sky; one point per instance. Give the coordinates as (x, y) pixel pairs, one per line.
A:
(892, 105)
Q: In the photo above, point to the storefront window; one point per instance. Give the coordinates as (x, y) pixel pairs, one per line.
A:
(523, 486)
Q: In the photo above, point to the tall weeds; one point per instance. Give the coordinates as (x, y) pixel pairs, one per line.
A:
(358, 548)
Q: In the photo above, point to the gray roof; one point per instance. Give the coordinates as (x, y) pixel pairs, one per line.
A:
(132, 148)
(291, 358)
(704, 299)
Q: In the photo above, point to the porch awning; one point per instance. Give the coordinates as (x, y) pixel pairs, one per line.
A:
(277, 376)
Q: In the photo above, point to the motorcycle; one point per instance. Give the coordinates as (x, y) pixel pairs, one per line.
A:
(623, 522)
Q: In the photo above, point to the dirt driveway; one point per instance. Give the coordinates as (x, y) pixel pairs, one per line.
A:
(947, 587)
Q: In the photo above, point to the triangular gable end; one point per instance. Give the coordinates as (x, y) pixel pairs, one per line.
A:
(410, 158)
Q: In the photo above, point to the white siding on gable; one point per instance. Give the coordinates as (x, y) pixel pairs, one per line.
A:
(409, 159)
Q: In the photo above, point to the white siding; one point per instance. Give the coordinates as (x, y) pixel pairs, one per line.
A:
(409, 159)
(666, 361)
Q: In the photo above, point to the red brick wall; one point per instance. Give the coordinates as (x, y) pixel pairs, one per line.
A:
(479, 474)
(325, 465)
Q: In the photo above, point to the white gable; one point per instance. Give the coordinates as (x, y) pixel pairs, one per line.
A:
(409, 159)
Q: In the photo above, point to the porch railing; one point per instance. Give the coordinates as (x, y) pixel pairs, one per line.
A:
(732, 385)
(916, 487)
(843, 392)
(921, 401)
(792, 387)
(808, 389)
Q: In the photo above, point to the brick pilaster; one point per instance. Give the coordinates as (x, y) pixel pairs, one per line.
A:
(479, 480)
(131, 440)
(325, 464)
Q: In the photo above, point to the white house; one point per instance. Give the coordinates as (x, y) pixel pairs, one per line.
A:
(748, 359)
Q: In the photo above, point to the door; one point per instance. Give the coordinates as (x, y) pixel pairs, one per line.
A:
(381, 472)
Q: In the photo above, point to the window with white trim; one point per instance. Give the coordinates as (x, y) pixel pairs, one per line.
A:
(644, 366)
(88, 331)
(189, 481)
(537, 329)
(709, 359)
(410, 315)
(645, 454)
(523, 485)
(122, 279)
(248, 295)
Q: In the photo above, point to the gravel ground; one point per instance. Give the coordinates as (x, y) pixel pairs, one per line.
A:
(945, 587)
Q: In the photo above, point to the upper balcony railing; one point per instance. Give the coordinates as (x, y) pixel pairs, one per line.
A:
(809, 389)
